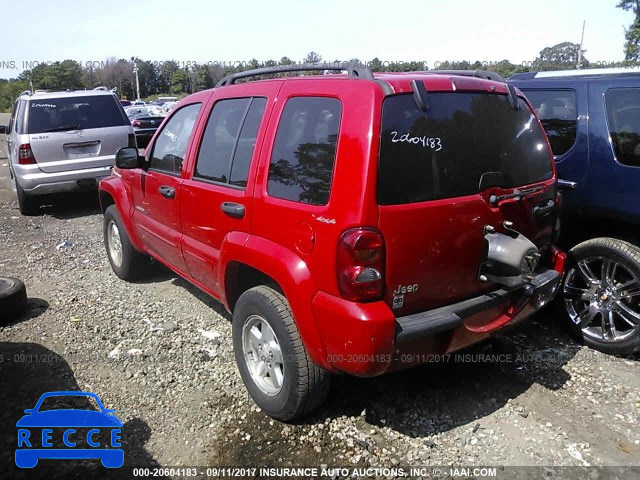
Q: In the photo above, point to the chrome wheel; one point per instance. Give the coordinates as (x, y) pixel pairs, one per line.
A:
(262, 355)
(114, 243)
(602, 297)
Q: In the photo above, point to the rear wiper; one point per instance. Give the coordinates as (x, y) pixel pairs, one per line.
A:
(63, 128)
(495, 199)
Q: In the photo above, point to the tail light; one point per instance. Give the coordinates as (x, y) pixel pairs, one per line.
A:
(360, 265)
(25, 155)
(135, 123)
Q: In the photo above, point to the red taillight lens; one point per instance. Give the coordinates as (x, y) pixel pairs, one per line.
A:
(360, 265)
(135, 123)
(25, 155)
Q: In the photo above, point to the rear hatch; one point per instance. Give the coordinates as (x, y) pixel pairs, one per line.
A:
(76, 132)
(438, 170)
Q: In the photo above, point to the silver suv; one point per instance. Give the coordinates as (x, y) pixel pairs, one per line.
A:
(63, 141)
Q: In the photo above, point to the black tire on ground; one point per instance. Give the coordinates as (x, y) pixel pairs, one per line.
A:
(305, 385)
(132, 262)
(627, 256)
(29, 205)
(13, 297)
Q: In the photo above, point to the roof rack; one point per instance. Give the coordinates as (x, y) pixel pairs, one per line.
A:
(105, 89)
(352, 70)
(26, 92)
(485, 74)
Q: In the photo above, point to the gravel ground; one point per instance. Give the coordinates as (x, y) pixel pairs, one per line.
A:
(531, 397)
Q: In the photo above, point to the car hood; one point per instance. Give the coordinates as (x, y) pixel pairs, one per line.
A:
(69, 418)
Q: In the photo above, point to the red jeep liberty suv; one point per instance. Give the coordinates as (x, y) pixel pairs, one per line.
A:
(350, 222)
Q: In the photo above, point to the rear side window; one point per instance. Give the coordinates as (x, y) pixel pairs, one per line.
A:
(623, 115)
(229, 140)
(445, 151)
(74, 113)
(304, 152)
(19, 121)
(557, 112)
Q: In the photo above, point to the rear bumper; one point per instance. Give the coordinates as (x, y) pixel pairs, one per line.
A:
(36, 182)
(366, 339)
(535, 294)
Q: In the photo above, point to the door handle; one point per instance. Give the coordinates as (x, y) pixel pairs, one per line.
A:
(167, 192)
(234, 210)
(566, 184)
(544, 209)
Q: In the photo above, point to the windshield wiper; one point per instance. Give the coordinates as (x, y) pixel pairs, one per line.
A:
(63, 128)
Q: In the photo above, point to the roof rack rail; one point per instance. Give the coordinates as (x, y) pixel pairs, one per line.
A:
(26, 92)
(353, 71)
(105, 89)
(485, 74)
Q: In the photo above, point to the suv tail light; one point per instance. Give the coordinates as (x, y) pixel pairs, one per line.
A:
(25, 155)
(135, 123)
(360, 265)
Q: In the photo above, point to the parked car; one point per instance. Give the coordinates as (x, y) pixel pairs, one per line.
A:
(592, 118)
(144, 126)
(125, 103)
(351, 223)
(63, 141)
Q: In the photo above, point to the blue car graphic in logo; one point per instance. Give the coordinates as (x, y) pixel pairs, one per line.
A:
(84, 433)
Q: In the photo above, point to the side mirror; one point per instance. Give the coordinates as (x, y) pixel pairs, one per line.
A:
(128, 158)
(3, 129)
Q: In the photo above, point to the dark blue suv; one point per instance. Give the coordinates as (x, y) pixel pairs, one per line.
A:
(592, 119)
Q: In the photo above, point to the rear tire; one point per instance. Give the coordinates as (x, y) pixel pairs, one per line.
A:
(126, 262)
(601, 295)
(273, 362)
(28, 204)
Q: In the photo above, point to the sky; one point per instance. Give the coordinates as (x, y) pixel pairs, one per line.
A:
(208, 31)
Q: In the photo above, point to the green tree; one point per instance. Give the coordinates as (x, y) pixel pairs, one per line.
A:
(632, 34)
(563, 56)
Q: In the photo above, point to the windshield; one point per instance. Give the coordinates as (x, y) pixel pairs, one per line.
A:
(74, 113)
(445, 151)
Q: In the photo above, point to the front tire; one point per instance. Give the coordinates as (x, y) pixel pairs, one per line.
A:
(601, 294)
(126, 262)
(273, 362)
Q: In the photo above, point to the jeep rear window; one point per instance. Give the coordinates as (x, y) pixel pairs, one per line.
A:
(443, 152)
(74, 113)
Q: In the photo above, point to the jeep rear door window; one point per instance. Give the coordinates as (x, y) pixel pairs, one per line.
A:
(557, 112)
(445, 151)
(623, 116)
(74, 113)
(171, 144)
(304, 152)
(229, 140)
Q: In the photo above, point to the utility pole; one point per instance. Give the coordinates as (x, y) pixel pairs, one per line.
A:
(579, 65)
(135, 70)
